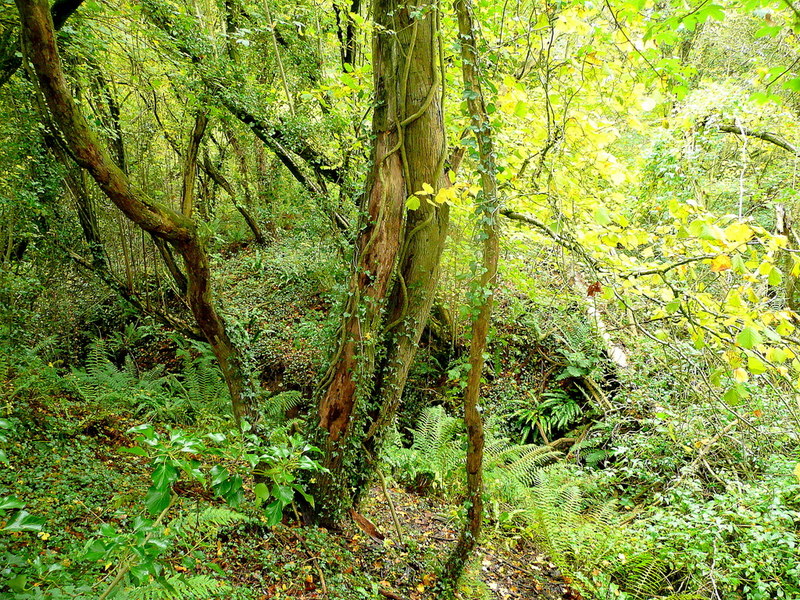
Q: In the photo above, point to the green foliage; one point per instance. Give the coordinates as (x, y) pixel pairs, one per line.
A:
(198, 392)
(179, 587)
(748, 520)
(277, 469)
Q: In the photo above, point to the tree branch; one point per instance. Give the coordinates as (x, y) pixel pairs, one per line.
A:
(9, 47)
(767, 136)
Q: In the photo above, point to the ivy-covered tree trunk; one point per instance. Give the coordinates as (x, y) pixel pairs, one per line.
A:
(163, 222)
(487, 211)
(397, 253)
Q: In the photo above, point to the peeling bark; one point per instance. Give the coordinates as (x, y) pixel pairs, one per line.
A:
(397, 255)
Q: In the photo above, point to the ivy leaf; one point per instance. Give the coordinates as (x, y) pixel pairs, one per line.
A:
(11, 502)
(274, 513)
(24, 521)
(283, 493)
(307, 497)
(157, 500)
(164, 475)
(135, 450)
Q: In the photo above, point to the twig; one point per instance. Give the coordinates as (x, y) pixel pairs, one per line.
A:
(128, 559)
(392, 510)
(390, 594)
(321, 576)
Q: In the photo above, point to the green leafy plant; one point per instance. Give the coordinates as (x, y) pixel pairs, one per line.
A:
(279, 466)
(14, 517)
(555, 411)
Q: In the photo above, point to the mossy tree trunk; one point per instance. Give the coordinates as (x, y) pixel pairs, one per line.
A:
(488, 212)
(163, 222)
(397, 253)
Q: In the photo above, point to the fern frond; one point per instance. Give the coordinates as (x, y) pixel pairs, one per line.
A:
(209, 521)
(179, 587)
(282, 402)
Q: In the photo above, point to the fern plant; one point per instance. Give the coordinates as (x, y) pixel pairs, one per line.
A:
(179, 587)
(103, 381)
(555, 411)
(589, 544)
(438, 455)
(198, 392)
(196, 527)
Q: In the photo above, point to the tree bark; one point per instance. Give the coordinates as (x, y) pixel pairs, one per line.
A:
(161, 221)
(488, 214)
(397, 254)
(190, 163)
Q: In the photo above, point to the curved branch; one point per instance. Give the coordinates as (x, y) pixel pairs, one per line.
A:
(766, 136)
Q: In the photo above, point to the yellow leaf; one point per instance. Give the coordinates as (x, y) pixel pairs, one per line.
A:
(426, 190)
(721, 263)
(756, 365)
(776, 355)
(797, 471)
(738, 232)
(740, 375)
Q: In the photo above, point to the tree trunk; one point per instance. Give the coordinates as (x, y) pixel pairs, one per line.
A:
(487, 211)
(396, 254)
(161, 221)
(190, 163)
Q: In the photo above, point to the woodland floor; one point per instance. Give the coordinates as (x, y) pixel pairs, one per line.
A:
(71, 447)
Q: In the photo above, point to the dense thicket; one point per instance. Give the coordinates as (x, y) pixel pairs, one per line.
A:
(268, 255)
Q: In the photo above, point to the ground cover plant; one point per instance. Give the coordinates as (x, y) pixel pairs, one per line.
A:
(399, 300)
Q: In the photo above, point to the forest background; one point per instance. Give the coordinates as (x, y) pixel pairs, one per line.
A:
(532, 262)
